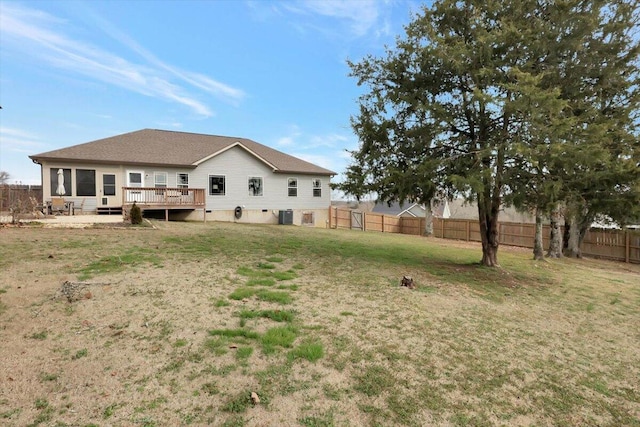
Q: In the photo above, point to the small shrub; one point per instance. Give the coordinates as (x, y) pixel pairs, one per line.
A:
(136, 214)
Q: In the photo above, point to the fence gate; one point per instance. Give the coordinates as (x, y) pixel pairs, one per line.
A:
(356, 220)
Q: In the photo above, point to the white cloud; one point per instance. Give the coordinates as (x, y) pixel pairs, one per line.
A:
(331, 140)
(37, 33)
(176, 125)
(361, 15)
(285, 141)
(291, 137)
(221, 90)
(317, 159)
(19, 141)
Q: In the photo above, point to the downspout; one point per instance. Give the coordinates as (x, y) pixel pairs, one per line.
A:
(41, 178)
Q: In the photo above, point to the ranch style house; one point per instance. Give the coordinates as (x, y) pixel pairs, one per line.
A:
(186, 176)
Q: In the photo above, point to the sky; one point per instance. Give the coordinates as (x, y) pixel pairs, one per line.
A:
(272, 71)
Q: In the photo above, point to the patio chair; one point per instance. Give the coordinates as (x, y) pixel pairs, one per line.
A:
(79, 208)
(58, 205)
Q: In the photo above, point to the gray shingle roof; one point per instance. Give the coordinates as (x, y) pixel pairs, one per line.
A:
(153, 147)
(396, 208)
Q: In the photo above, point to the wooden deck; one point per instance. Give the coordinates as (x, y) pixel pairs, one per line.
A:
(154, 198)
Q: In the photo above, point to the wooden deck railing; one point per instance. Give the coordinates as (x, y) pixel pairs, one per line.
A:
(161, 198)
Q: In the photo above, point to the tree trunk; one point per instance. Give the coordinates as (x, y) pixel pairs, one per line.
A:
(584, 227)
(428, 219)
(538, 248)
(489, 235)
(555, 244)
(565, 235)
(573, 242)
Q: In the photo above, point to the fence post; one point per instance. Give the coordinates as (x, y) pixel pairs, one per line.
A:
(364, 221)
(382, 223)
(468, 230)
(627, 245)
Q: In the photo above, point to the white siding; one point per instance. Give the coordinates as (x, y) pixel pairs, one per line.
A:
(237, 165)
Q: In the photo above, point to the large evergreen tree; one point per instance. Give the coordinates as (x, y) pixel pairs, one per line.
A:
(479, 89)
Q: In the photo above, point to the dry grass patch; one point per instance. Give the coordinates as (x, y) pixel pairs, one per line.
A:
(186, 320)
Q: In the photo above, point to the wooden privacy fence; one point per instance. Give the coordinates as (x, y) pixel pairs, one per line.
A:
(10, 194)
(618, 245)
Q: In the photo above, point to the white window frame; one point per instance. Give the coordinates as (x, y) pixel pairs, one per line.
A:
(292, 187)
(224, 191)
(316, 184)
(129, 184)
(155, 180)
(251, 188)
(134, 195)
(180, 184)
(106, 186)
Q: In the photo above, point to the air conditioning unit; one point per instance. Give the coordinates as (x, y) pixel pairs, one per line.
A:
(285, 217)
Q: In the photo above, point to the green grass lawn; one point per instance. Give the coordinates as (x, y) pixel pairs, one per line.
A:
(183, 322)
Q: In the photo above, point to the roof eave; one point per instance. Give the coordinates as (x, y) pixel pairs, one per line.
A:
(109, 162)
(323, 173)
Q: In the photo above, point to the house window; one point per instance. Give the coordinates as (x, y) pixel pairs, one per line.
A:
(60, 187)
(255, 186)
(182, 180)
(109, 185)
(160, 179)
(85, 182)
(134, 179)
(292, 186)
(317, 188)
(216, 185)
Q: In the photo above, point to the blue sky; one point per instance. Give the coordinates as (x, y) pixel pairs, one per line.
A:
(271, 71)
